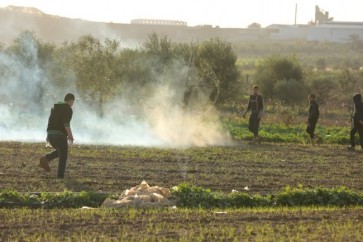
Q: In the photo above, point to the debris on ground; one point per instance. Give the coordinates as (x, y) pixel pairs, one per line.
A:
(142, 196)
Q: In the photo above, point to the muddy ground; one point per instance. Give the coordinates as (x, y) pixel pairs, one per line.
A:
(263, 169)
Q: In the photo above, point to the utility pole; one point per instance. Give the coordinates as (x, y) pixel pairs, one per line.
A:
(295, 12)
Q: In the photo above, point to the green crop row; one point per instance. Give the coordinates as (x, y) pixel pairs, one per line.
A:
(193, 197)
(291, 134)
(67, 199)
(190, 196)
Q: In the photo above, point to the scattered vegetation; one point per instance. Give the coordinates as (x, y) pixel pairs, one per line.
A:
(191, 196)
(282, 133)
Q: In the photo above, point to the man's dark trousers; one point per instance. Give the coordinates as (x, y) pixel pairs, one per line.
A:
(357, 127)
(59, 142)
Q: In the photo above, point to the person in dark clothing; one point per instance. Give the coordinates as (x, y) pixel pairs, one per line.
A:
(255, 105)
(59, 133)
(357, 122)
(313, 119)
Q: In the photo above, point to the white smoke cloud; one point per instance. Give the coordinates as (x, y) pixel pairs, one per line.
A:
(27, 96)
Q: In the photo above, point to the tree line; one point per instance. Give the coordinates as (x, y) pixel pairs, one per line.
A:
(101, 70)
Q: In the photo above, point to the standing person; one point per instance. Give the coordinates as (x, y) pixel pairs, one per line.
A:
(313, 119)
(255, 105)
(357, 122)
(58, 133)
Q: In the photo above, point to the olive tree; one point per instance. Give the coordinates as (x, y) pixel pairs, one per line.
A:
(95, 65)
(218, 56)
(212, 65)
(281, 78)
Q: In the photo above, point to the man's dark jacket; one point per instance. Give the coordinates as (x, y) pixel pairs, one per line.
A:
(358, 107)
(313, 112)
(60, 117)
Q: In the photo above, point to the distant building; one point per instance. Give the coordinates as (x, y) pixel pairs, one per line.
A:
(321, 16)
(26, 10)
(159, 22)
(339, 32)
(57, 29)
(322, 29)
(288, 32)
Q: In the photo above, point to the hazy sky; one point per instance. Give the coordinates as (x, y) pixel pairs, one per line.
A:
(224, 13)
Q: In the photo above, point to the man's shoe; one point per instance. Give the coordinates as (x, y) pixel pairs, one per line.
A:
(44, 164)
(351, 147)
(259, 140)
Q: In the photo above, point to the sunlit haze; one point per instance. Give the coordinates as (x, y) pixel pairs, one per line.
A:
(158, 115)
(226, 13)
(152, 115)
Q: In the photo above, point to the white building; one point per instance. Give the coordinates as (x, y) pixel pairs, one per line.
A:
(288, 32)
(339, 32)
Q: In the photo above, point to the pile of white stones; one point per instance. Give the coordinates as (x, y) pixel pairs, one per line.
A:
(142, 196)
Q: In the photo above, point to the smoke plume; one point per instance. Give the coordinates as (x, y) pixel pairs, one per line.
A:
(161, 118)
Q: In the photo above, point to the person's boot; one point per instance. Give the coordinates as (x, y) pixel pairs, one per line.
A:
(312, 141)
(43, 163)
(253, 141)
(258, 139)
(350, 147)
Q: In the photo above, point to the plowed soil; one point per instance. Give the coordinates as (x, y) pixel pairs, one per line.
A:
(181, 225)
(262, 169)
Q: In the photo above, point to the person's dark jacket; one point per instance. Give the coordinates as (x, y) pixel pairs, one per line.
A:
(358, 107)
(313, 112)
(60, 117)
(255, 104)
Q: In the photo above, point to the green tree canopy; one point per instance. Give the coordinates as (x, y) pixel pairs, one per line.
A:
(95, 66)
(281, 78)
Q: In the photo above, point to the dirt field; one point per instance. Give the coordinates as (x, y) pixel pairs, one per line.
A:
(182, 225)
(264, 169)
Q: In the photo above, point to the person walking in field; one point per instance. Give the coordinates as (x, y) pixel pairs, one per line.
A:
(357, 122)
(59, 133)
(313, 119)
(255, 105)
